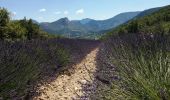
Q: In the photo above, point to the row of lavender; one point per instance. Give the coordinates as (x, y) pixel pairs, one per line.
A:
(24, 64)
(141, 67)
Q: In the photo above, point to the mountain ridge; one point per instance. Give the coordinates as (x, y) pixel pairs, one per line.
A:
(79, 28)
(155, 22)
(87, 26)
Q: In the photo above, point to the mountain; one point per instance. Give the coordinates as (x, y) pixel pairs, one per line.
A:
(90, 27)
(113, 22)
(81, 28)
(157, 22)
(85, 21)
(148, 12)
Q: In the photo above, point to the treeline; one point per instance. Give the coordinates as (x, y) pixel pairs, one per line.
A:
(19, 29)
(155, 23)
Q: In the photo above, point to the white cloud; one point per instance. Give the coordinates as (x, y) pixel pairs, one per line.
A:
(80, 11)
(66, 12)
(42, 10)
(14, 13)
(58, 12)
(41, 18)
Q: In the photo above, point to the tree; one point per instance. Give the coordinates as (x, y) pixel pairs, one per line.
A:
(4, 20)
(4, 17)
(133, 27)
(33, 30)
(16, 31)
(21, 29)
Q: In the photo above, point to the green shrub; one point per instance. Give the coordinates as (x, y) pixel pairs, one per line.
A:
(62, 57)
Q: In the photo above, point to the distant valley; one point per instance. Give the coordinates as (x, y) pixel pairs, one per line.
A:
(90, 28)
(86, 27)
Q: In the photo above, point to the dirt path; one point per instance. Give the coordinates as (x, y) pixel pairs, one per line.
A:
(70, 86)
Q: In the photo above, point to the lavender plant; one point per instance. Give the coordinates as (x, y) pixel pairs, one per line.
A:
(141, 66)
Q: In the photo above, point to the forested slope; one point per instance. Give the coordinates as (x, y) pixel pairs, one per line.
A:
(155, 23)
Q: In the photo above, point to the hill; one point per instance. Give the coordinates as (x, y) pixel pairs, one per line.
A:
(157, 21)
(85, 27)
(148, 12)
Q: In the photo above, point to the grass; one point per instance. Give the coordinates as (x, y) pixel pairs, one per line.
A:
(142, 67)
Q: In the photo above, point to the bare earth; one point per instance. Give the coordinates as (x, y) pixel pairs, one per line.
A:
(70, 86)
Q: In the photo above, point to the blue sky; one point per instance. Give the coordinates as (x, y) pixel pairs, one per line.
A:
(51, 10)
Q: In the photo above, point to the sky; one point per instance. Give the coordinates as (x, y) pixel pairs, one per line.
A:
(52, 10)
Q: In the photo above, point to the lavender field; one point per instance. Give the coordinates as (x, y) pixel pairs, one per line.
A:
(25, 63)
(84, 50)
